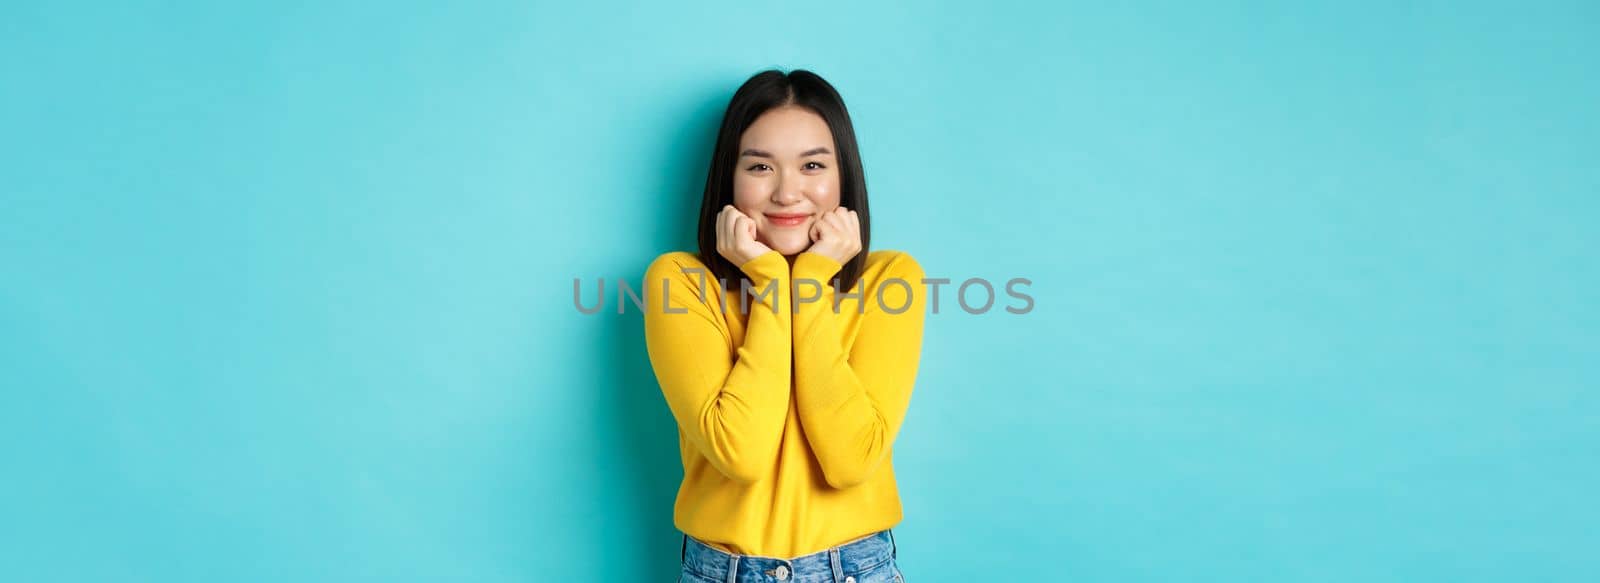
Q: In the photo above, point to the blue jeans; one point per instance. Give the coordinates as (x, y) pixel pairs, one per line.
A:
(868, 560)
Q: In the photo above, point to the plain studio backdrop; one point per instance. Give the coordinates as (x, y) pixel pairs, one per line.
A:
(286, 289)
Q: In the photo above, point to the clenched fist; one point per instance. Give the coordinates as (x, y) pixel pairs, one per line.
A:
(736, 237)
(837, 235)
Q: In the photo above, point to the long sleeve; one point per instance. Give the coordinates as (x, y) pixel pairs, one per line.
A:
(731, 406)
(851, 405)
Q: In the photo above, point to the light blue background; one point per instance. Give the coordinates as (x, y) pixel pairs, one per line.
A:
(286, 288)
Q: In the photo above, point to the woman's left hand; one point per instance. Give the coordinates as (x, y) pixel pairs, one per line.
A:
(837, 235)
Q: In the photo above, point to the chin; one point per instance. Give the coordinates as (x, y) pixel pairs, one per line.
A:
(789, 247)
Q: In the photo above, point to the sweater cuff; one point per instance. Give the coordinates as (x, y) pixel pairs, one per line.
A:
(815, 266)
(765, 267)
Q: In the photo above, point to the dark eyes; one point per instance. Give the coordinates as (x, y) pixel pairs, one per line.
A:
(809, 166)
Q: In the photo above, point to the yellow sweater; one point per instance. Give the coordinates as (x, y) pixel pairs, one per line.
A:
(786, 420)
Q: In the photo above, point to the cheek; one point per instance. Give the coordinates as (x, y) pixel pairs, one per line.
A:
(748, 193)
(825, 194)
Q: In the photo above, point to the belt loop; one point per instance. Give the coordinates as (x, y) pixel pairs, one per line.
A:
(835, 564)
(733, 568)
(894, 549)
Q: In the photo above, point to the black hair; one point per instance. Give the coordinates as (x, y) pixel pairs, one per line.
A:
(762, 92)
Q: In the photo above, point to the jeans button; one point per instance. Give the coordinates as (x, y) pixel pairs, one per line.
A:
(850, 579)
(783, 572)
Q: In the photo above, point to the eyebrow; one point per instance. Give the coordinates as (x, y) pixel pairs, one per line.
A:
(766, 154)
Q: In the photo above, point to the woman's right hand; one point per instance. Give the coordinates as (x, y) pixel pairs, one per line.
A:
(736, 237)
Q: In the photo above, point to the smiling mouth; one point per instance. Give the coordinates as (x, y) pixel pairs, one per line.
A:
(787, 220)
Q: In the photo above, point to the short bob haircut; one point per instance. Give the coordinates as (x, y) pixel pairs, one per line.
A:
(764, 91)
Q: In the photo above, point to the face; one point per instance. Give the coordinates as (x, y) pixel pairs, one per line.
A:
(786, 176)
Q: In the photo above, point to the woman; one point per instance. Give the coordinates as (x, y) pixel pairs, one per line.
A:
(787, 471)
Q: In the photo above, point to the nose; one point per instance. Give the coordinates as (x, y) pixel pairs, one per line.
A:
(787, 192)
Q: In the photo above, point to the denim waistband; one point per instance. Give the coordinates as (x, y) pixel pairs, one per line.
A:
(832, 564)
